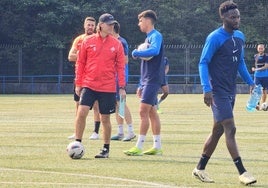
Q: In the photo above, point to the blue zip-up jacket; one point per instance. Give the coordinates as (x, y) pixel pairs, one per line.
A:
(221, 60)
(152, 71)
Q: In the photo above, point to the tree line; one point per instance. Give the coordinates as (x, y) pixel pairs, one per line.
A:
(45, 29)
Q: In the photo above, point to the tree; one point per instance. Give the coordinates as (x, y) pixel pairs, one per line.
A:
(46, 28)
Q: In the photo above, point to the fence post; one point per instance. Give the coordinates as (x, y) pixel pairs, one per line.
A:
(60, 64)
(20, 65)
(187, 65)
(32, 84)
(4, 85)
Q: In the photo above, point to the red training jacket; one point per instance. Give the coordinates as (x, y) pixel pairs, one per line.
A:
(99, 61)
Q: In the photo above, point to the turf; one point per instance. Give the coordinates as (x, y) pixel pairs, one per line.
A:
(34, 131)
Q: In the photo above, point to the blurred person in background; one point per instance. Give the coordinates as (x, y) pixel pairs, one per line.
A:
(89, 28)
(128, 118)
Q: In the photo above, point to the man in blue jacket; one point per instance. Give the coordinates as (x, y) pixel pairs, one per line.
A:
(221, 59)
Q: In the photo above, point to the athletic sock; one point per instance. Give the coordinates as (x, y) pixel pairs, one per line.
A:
(106, 146)
(120, 129)
(130, 129)
(157, 141)
(140, 141)
(239, 165)
(78, 140)
(97, 127)
(203, 162)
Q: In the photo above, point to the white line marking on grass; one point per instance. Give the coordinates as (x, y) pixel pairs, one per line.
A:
(143, 183)
(72, 184)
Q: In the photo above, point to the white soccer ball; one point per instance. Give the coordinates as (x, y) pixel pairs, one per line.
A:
(144, 46)
(264, 106)
(75, 150)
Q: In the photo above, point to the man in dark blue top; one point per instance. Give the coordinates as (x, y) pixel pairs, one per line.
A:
(127, 115)
(260, 70)
(221, 59)
(152, 74)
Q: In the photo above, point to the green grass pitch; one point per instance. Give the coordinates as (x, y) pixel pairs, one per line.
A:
(34, 131)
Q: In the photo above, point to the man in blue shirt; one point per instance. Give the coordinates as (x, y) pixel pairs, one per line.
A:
(221, 59)
(261, 74)
(152, 74)
(128, 118)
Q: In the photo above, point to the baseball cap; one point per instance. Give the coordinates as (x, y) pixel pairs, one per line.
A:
(107, 18)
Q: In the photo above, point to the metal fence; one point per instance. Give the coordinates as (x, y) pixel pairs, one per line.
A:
(15, 68)
(60, 84)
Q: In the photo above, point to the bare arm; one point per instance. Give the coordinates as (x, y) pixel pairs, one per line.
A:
(126, 59)
(72, 55)
(261, 68)
(166, 69)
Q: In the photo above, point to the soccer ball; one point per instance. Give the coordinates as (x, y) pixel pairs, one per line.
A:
(75, 150)
(264, 106)
(144, 46)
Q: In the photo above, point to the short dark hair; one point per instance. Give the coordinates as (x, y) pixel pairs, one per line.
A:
(226, 6)
(148, 14)
(90, 19)
(116, 27)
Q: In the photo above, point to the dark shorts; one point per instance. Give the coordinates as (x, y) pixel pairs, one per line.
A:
(117, 92)
(262, 80)
(76, 97)
(222, 107)
(165, 81)
(106, 100)
(149, 94)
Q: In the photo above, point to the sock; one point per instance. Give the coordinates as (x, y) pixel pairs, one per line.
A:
(157, 141)
(97, 127)
(160, 100)
(239, 165)
(78, 140)
(203, 162)
(120, 129)
(130, 129)
(140, 141)
(107, 146)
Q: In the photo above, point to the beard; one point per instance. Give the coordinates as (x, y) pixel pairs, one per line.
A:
(90, 32)
(235, 27)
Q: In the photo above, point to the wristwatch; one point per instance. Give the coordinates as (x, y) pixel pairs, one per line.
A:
(124, 88)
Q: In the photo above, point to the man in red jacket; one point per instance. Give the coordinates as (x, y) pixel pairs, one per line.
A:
(101, 58)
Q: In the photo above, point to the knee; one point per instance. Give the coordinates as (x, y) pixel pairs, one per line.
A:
(143, 114)
(229, 127)
(230, 132)
(233, 130)
(82, 112)
(218, 132)
(105, 119)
